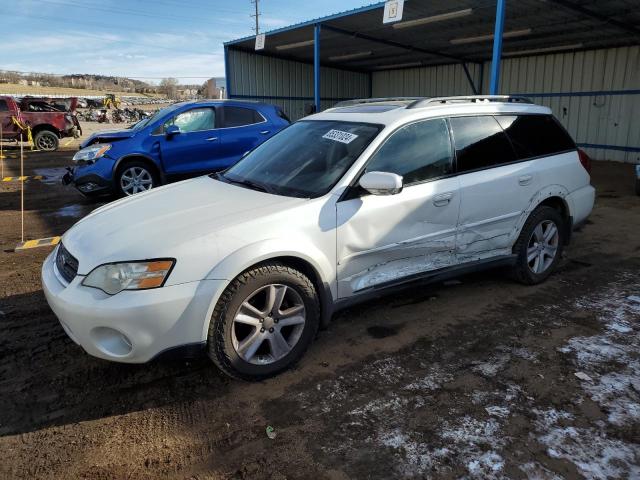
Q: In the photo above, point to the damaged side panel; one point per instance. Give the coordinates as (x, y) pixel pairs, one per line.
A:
(385, 238)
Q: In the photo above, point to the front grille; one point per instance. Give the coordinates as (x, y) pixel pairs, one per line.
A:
(66, 263)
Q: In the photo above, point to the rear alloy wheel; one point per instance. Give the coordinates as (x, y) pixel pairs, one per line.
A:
(539, 247)
(135, 178)
(543, 246)
(263, 322)
(46, 140)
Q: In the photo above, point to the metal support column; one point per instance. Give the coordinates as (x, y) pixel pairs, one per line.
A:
(497, 47)
(316, 66)
(227, 72)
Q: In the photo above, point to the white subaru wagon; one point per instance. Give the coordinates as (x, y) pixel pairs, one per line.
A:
(344, 205)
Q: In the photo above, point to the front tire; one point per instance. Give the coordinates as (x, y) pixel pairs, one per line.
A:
(539, 246)
(46, 140)
(263, 322)
(135, 177)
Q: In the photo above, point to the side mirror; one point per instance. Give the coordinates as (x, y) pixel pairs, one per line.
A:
(172, 130)
(381, 183)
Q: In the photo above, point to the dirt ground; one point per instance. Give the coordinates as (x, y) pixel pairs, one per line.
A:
(471, 379)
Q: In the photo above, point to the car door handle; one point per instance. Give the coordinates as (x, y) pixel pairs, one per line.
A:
(211, 139)
(265, 132)
(443, 199)
(525, 180)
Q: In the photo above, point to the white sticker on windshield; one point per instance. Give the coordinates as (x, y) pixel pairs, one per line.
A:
(340, 136)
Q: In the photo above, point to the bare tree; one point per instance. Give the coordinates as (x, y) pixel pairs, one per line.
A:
(169, 86)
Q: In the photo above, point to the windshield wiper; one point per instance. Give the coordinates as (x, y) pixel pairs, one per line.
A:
(247, 183)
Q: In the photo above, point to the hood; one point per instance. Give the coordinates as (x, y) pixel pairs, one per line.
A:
(107, 135)
(177, 220)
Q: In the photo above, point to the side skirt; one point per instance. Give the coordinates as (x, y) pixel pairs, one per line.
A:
(426, 278)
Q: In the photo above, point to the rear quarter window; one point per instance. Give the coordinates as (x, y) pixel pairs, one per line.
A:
(240, 116)
(536, 135)
(3, 106)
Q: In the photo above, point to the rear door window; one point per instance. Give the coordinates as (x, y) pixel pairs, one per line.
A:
(240, 116)
(418, 152)
(3, 106)
(480, 143)
(536, 135)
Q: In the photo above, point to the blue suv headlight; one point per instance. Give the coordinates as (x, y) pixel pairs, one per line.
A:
(92, 153)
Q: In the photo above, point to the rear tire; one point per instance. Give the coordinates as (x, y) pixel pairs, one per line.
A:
(539, 246)
(46, 140)
(247, 329)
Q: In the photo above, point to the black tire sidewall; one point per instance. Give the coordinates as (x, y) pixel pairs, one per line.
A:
(540, 214)
(220, 340)
(48, 133)
(126, 166)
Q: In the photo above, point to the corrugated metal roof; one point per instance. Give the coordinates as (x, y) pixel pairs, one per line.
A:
(553, 24)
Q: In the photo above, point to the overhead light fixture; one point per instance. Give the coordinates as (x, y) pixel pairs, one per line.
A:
(484, 38)
(398, 65)
(433, 19)
(350, 56)
(559, 48)
(290, 46)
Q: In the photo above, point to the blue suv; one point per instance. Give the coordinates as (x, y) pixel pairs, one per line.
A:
(180, 141)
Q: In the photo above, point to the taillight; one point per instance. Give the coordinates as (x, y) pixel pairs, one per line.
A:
(585, 160)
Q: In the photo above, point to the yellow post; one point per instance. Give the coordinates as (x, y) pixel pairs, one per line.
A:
(1, 154)
(21, 189)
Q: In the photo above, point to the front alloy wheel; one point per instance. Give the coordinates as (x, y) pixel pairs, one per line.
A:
(268, 324)
(135, 179)
(263, 322)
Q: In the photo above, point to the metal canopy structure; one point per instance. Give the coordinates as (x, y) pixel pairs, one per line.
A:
(441, 32)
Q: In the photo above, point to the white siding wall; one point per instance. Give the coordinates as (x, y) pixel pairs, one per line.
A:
(276, 81)
(601, 119)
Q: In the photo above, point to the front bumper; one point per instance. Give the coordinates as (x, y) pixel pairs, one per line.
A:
(132, 326)
(92, 178)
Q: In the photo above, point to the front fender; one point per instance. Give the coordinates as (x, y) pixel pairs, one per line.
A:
(249, 255)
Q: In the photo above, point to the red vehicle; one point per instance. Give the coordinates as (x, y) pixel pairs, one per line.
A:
(49, 120)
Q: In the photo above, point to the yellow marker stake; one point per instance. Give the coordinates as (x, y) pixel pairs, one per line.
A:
(1, 153)
(22, 188)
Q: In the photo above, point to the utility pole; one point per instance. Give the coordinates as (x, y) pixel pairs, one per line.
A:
(257, 16)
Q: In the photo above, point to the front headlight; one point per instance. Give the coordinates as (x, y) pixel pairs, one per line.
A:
(92, 153)
(113, 278)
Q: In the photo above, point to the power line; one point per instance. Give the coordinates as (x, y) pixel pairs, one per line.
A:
(123, 11)
(107, 76)
(110, 39)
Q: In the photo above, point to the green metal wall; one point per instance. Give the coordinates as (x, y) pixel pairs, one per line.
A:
(593, 93)
(290, 84)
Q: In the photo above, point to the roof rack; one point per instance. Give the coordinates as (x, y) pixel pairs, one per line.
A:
(468, 99)
(368, 101)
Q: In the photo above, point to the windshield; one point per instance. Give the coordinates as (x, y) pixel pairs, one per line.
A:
(305, 159)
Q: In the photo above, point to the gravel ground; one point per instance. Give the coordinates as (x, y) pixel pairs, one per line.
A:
(481, 378)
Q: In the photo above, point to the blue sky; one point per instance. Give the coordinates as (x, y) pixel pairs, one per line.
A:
(139, 38)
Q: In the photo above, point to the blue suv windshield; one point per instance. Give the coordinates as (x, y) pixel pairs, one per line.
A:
(304, 160)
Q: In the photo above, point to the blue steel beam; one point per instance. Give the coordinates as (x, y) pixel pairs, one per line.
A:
(497, 47)
(316, 65)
